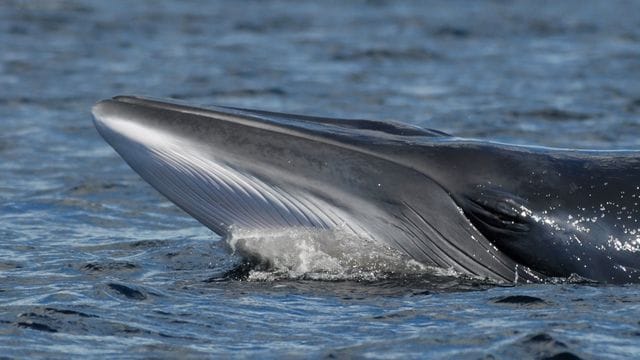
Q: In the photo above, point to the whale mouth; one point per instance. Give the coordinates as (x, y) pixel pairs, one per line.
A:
(302, 194)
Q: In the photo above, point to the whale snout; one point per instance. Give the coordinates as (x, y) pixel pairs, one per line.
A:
(127, 126)
(111, 120)
(101, 111)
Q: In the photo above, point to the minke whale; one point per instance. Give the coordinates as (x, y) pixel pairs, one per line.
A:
(503, 212)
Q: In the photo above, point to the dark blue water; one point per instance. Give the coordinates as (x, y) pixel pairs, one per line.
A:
(93, 262)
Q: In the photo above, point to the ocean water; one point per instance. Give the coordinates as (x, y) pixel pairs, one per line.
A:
(95, 263)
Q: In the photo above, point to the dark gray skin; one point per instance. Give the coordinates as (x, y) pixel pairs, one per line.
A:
(498, 211)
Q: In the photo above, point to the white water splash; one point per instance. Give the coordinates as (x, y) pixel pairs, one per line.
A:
(322, 255)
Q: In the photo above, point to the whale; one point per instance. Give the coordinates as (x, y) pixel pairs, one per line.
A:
(502, 212)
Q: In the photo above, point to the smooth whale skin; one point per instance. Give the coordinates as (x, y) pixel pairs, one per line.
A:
(504, 212)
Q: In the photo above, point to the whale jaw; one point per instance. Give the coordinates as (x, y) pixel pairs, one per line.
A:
(244, 171)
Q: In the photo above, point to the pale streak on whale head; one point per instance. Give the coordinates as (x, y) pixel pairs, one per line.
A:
(491, 210)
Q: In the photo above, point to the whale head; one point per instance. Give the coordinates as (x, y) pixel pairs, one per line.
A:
(478, 208)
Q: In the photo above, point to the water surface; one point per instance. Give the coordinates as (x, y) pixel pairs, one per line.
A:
(93, 261)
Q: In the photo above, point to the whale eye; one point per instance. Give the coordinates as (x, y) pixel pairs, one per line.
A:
(497, 213)
(522, 234)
